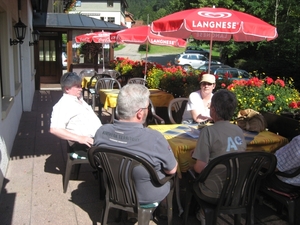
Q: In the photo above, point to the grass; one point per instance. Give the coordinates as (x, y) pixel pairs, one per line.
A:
(156, 49)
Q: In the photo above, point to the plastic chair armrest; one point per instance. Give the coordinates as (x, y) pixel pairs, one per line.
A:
(159, 119)
(288, 175)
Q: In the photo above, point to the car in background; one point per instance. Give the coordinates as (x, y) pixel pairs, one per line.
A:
(213, 66)
(196, 49)
(64, 60)
(233, 73)
(187, 60)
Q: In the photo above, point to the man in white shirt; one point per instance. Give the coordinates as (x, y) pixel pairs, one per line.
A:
(72, 118)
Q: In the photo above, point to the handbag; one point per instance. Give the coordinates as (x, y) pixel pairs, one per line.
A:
(251, 120)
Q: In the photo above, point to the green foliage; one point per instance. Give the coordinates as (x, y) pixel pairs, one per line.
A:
(154, 77)
(148, 10)
(143, 47)
(258, 94)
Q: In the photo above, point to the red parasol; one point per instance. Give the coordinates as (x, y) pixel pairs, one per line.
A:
(216, 24)
(143, 35)
(97, 37)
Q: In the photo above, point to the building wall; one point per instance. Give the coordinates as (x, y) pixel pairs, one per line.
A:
(17, 76)
(100, 9)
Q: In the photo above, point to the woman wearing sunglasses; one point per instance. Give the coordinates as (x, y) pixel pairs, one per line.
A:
(198, 106)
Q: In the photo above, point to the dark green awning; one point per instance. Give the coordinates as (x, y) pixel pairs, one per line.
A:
(72, 21)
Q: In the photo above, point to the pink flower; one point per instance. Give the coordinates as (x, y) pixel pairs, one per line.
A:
(280, 82)
(269, 80)
(271, 98)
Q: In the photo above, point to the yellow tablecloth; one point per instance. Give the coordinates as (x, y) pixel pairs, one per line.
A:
(108, 97)
(182, 144)
(85, 81)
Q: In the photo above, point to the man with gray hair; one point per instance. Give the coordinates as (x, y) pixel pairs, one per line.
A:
(72, 118)
(129, 134)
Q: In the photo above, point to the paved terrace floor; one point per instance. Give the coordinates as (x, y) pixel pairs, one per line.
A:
(32, 192)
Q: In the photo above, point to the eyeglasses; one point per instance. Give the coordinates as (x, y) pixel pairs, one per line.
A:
(149, 108)
(206, 83)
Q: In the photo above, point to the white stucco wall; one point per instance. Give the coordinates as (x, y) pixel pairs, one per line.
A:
(16, 61)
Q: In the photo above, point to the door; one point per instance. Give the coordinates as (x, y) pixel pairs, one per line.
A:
(49, 58)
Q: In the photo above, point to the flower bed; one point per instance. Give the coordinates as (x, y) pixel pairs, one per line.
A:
(264, 95)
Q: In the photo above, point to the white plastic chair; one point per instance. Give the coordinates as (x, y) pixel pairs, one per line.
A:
(137, 80)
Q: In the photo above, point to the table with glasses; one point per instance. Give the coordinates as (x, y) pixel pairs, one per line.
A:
(182, 143)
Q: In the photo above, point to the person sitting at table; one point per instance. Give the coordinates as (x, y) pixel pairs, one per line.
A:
(72, 118)
(197, 109)
(221, 138)
(288, 161)
(128, 134)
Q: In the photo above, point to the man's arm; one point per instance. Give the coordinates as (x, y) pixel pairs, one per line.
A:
(66, 135)
(172, 171)
(199, 166)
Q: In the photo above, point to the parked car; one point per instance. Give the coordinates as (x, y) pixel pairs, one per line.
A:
(195, 49)
(213, 66)
(64, 59)
(234, 73)
(187, 60)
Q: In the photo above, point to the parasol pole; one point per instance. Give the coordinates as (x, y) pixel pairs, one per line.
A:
(146, 61)
(210, 51)
(210, 48)
(103, 66)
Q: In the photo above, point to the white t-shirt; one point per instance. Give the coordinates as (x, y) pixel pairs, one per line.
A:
(75, 115)
(195, 103)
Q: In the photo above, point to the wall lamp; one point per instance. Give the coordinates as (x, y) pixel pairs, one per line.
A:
(20, 31)
(35, 37)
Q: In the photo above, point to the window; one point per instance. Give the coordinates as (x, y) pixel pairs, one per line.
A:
(110, 3)
(102, 18)
(78, 4)
(111, 19)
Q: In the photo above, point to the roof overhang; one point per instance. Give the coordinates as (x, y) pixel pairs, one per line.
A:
(63, 21)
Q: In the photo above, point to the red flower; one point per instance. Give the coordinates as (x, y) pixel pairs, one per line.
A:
(293, 105)
(271, 98)
(280, 82)
(223, 85)
(269, 80)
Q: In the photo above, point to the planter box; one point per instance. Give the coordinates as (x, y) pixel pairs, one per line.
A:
(282, 125)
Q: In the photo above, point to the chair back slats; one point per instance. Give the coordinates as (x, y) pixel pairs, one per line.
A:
(118, 167)
(107, 83)
(137, 80)
(112, 73)
(152, 117)
(244, 172)
(87, 72)
(120, 185)
(93, 81)
(176, 109)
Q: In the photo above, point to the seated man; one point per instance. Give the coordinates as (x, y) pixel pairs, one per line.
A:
(288, 160)
(129, 134)
(221, 138)
(72, 118)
